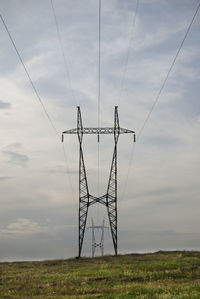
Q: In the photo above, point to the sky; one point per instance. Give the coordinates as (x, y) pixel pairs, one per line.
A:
(158, 178)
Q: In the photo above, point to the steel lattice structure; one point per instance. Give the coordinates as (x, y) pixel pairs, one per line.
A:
(110, 198)
(94, 243)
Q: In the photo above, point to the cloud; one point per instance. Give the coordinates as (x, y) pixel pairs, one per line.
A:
(156, 193)
(16, 158)
(4, 178)
(14, 145)
(23, 226)
(161, 190)
(5, 105)
(59, 169)
(162, 141)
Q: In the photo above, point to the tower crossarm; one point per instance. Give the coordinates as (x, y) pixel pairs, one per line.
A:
(105, 130)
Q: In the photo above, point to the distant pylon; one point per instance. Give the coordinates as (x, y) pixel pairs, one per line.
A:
(109, 200)
(99, 244)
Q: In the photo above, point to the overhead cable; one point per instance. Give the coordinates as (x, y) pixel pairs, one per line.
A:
(99, 82)
(31, 82)
(98, 105)
(67, 73)
(40, 100)
(68, 171)
(168, 73)
(128, 51)
(158, 95)
(99, 65)
(68, 78)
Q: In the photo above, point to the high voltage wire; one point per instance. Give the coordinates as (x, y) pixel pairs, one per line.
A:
(168, 73)
(121, 89)
(40, 100)
(68, 171)
(98, 100)
(128, 52)
(159, 93)
(31, 82)
(99, 73)
(122, 85)
(68, 78)
(99, 65)
(128, 171)
(67, 73)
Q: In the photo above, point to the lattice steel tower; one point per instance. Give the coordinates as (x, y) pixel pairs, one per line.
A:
(96, 244)
(110, 198)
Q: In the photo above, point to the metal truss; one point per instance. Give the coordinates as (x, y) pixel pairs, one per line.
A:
(107, 130)
(110, 198)
(94, 243)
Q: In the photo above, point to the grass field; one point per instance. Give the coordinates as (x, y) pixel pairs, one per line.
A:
(158, 275)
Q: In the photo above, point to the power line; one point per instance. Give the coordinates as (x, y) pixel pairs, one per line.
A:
(67, 73)
(168, 73)
(158, 96)
(40, 100)
(128, 52)
(128, 170)
(99, 65)
(99, 85)
(68, 78)
(68, 171)
(31, 82)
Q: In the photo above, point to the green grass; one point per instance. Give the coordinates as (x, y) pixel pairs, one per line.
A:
(146, 276)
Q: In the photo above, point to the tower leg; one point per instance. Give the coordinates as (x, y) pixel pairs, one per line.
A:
(112, 200)
(83, 186)
(93, 239)
(102, 238)
(111, 196)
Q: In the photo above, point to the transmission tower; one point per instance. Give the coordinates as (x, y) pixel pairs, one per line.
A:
(85, 198)
(94, 243)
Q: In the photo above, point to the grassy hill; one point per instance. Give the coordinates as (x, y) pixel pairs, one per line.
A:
(158, 275)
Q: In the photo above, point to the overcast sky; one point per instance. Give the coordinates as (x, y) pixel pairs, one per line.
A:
(159, 204)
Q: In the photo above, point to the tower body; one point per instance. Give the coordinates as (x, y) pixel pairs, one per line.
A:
(109, 200)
